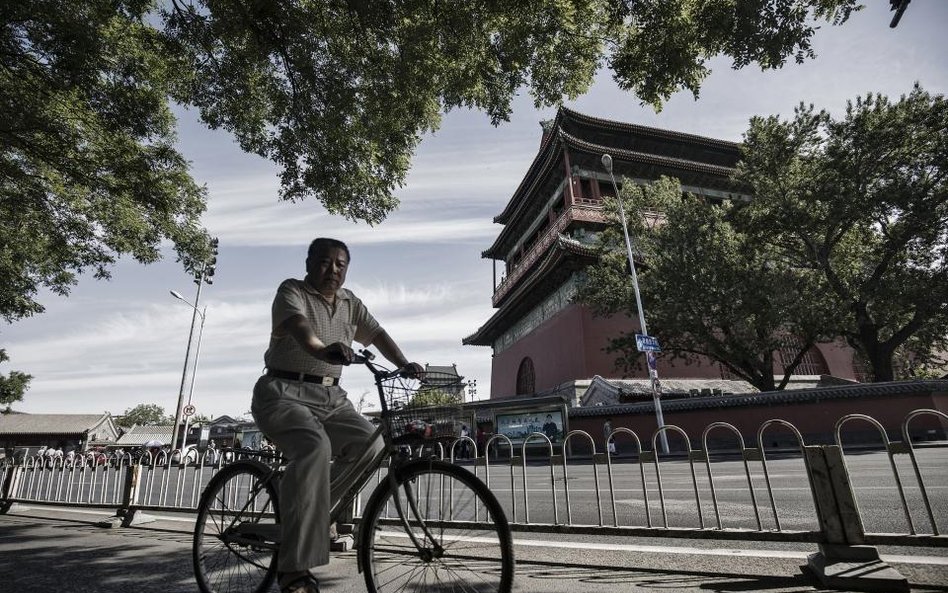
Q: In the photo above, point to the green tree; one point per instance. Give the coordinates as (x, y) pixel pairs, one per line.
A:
(13, 385)
(862, 201)
(707, 289)
(434, 396)
(88, 168)
(199, 420)
(145, 415)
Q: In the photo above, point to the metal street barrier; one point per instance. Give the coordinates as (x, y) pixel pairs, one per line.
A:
(539, 484)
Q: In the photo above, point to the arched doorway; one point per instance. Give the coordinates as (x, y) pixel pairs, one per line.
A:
(526, 378)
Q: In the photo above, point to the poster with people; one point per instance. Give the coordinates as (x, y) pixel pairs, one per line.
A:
(518, 425)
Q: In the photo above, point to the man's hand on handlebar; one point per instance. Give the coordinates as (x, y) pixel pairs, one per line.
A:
(413, 370)
(336, 353)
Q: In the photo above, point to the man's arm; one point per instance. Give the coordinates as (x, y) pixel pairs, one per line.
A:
(302, 331)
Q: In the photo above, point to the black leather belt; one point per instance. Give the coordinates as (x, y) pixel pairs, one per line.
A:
(291, 376)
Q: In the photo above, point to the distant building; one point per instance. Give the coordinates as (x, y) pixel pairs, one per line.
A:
(446, 379)
(137, 436)
(67, 431)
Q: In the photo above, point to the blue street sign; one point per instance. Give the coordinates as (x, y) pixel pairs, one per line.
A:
(646, 343)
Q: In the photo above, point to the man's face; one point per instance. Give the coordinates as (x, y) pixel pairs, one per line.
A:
(327, 270)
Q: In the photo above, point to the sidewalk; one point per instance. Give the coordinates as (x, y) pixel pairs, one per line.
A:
(46, 549)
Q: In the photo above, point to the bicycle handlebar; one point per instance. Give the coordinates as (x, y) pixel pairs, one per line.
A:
(366, 358)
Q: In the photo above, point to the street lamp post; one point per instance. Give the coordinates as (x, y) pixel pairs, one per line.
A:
(201, 276)
(197, 357)
(652, 368)
(187, 358)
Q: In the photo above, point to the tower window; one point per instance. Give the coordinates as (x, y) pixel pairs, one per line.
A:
(526, 380)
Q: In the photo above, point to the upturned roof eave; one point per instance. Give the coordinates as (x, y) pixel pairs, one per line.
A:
(648, 130)
(540, 162)
(564, 139)
(563, 247)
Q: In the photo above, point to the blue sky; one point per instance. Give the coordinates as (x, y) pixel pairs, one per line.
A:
(114, 344)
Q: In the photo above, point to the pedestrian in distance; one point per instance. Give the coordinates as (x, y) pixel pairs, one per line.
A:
(607, 437)
(481, 440)
(465, 445)
(300, 406)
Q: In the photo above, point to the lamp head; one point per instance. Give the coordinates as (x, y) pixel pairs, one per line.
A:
(607, 163)
(177, 295)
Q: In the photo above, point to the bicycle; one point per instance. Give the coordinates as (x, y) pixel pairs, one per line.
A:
(429, 525)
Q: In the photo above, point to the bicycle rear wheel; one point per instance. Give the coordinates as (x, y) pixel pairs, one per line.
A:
(237, 531)
(464, 541)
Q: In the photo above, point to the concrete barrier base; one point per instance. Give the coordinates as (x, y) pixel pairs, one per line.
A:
(342, 543)
(126, 518)
(854, 568)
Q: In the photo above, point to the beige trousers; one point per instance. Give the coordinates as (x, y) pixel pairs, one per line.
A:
(312, 425)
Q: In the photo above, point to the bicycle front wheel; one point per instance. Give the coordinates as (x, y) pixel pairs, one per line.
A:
(237, 531)
(434, 526)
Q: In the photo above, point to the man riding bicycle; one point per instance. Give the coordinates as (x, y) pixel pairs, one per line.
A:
(300, 407)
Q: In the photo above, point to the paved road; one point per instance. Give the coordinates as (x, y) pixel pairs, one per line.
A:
(47, 549)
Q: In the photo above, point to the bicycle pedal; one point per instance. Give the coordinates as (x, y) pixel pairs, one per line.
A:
(342, 543)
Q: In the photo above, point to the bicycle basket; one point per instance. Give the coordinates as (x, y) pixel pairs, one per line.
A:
(428, 407)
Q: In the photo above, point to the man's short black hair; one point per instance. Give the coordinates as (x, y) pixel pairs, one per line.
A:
(323, 245)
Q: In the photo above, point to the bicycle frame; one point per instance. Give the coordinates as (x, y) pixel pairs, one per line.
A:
(368, 463)
(353, 479)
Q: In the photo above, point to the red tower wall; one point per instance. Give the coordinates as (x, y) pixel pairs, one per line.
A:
(569, 346)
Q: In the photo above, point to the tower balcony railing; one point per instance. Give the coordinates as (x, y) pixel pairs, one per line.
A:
(591, 212)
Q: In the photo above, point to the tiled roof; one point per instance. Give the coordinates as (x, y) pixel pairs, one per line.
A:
(567, 127)
(647, 130)
(894, 388)
(683, 386)
(49, 423)
(139, 435)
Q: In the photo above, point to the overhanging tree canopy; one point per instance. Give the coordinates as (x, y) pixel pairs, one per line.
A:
(338, 94)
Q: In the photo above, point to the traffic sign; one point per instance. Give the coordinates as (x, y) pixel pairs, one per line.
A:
(645, 343)
(189, 410)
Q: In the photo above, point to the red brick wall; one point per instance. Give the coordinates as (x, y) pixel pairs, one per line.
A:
(570, 346)
(816, 420)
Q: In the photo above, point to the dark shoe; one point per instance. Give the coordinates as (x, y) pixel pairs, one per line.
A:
(304, 584)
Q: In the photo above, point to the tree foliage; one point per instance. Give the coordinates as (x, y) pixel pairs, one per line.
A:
(88, 168)
(707, 288)
(434, 396)
(337, 94)
(145, 415)
(846, 235)
(12, 385)
(199, 419)
(862, 201)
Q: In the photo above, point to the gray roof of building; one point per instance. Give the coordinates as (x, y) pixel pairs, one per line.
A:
(139, 435)
(789, 396)
(49, 423)
(683, 386)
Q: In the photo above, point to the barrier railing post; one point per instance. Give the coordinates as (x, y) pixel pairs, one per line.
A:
(9, 486)
(127, 514)
(844, 561)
